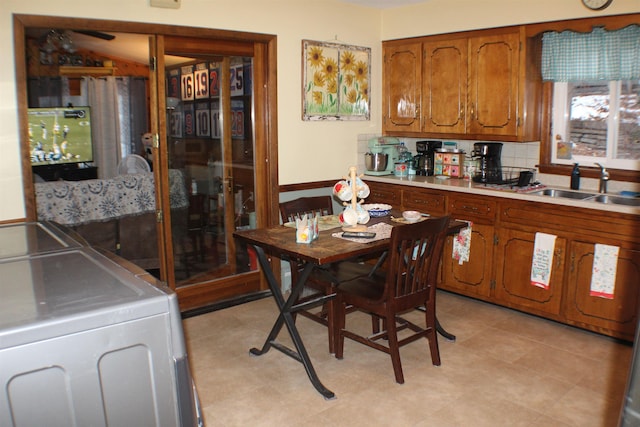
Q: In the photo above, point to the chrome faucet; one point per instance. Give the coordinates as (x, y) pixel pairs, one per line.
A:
(604, 178)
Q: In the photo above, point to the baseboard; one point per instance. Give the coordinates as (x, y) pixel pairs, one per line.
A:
(226, 304)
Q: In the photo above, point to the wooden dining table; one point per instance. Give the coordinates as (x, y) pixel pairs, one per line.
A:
(280, 241)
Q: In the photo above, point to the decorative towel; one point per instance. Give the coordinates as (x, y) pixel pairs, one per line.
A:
(462, 245)
(603, 275)
(542, 260)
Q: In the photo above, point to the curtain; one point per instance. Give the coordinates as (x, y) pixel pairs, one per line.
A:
(138, 111)
(598, 55)
(102, 97)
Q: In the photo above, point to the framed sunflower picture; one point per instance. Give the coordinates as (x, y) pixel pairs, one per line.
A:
(335, 79)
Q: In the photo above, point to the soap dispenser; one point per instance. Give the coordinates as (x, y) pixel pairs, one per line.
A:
(575, 177)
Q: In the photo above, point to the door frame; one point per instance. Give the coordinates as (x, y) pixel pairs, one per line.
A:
(265, 122)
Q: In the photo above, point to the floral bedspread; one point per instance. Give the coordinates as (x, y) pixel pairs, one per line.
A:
(80, 202)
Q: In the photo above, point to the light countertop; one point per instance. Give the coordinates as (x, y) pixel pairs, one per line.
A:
(470, 187)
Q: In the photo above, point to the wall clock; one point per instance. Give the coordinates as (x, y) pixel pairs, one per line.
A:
(597, 4)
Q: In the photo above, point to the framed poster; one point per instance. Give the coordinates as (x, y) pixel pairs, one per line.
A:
(335, 81)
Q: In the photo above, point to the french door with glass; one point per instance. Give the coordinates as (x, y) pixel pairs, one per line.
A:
(206, 166)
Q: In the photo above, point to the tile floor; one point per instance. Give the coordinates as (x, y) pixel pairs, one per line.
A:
(505, 369)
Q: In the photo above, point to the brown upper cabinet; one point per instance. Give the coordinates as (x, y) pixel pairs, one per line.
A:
(472, 85)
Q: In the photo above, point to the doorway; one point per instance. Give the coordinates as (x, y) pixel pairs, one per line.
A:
(221, 167)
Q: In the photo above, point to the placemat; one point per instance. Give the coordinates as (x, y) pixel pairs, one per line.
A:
(382, 230)
(326, 222)
(404, 221)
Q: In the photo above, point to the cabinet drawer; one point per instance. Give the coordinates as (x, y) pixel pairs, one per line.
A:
(472, 208)
(434, 203)
(384, 193)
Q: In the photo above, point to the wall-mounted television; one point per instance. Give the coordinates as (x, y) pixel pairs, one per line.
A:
(60, 135)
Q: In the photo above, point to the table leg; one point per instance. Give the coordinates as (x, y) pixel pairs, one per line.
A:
(286, 318)
(445, 334)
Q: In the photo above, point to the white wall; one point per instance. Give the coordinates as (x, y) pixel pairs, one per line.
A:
(308, 151)
(445, 16)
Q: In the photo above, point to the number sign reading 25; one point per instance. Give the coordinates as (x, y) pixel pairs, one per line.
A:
(237, 80)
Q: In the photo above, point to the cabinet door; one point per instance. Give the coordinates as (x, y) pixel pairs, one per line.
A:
(617, 316)
(473, 277)
(514, 254)
(493, 84)
(402, 87)
(444, 90)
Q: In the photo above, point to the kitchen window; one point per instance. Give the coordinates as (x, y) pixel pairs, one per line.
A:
(597, 122)
(596, 96)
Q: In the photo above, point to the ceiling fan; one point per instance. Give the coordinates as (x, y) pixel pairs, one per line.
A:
(52, 40)
(97, 34)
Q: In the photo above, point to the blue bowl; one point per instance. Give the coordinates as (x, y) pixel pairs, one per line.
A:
(377, 209)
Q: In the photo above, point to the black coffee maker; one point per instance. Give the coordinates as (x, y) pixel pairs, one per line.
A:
(489, 169)
(423, 161)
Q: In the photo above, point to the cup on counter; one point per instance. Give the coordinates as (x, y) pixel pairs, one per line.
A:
(401, 169)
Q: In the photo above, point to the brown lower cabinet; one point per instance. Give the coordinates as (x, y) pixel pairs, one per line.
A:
(502, 245)
(617, 316)
(514, 251)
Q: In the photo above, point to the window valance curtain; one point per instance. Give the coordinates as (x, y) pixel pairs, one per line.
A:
(598, 55)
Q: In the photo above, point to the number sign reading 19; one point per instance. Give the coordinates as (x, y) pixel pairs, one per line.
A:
(201, 81)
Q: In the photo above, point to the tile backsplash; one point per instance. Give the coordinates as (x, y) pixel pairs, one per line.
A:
(524, 155)
(517, 154)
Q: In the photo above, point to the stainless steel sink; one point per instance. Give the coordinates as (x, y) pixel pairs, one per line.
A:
(616, 200)
(564, 194)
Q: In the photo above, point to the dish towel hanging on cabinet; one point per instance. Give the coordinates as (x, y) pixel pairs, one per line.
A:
(542, 259)
(603, 274)
(462, 244)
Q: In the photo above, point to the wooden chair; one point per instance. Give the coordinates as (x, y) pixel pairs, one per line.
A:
(323, 281)
(293, 209)
(410, 281)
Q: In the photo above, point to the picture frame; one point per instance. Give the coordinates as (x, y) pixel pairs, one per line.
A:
(336, 79)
